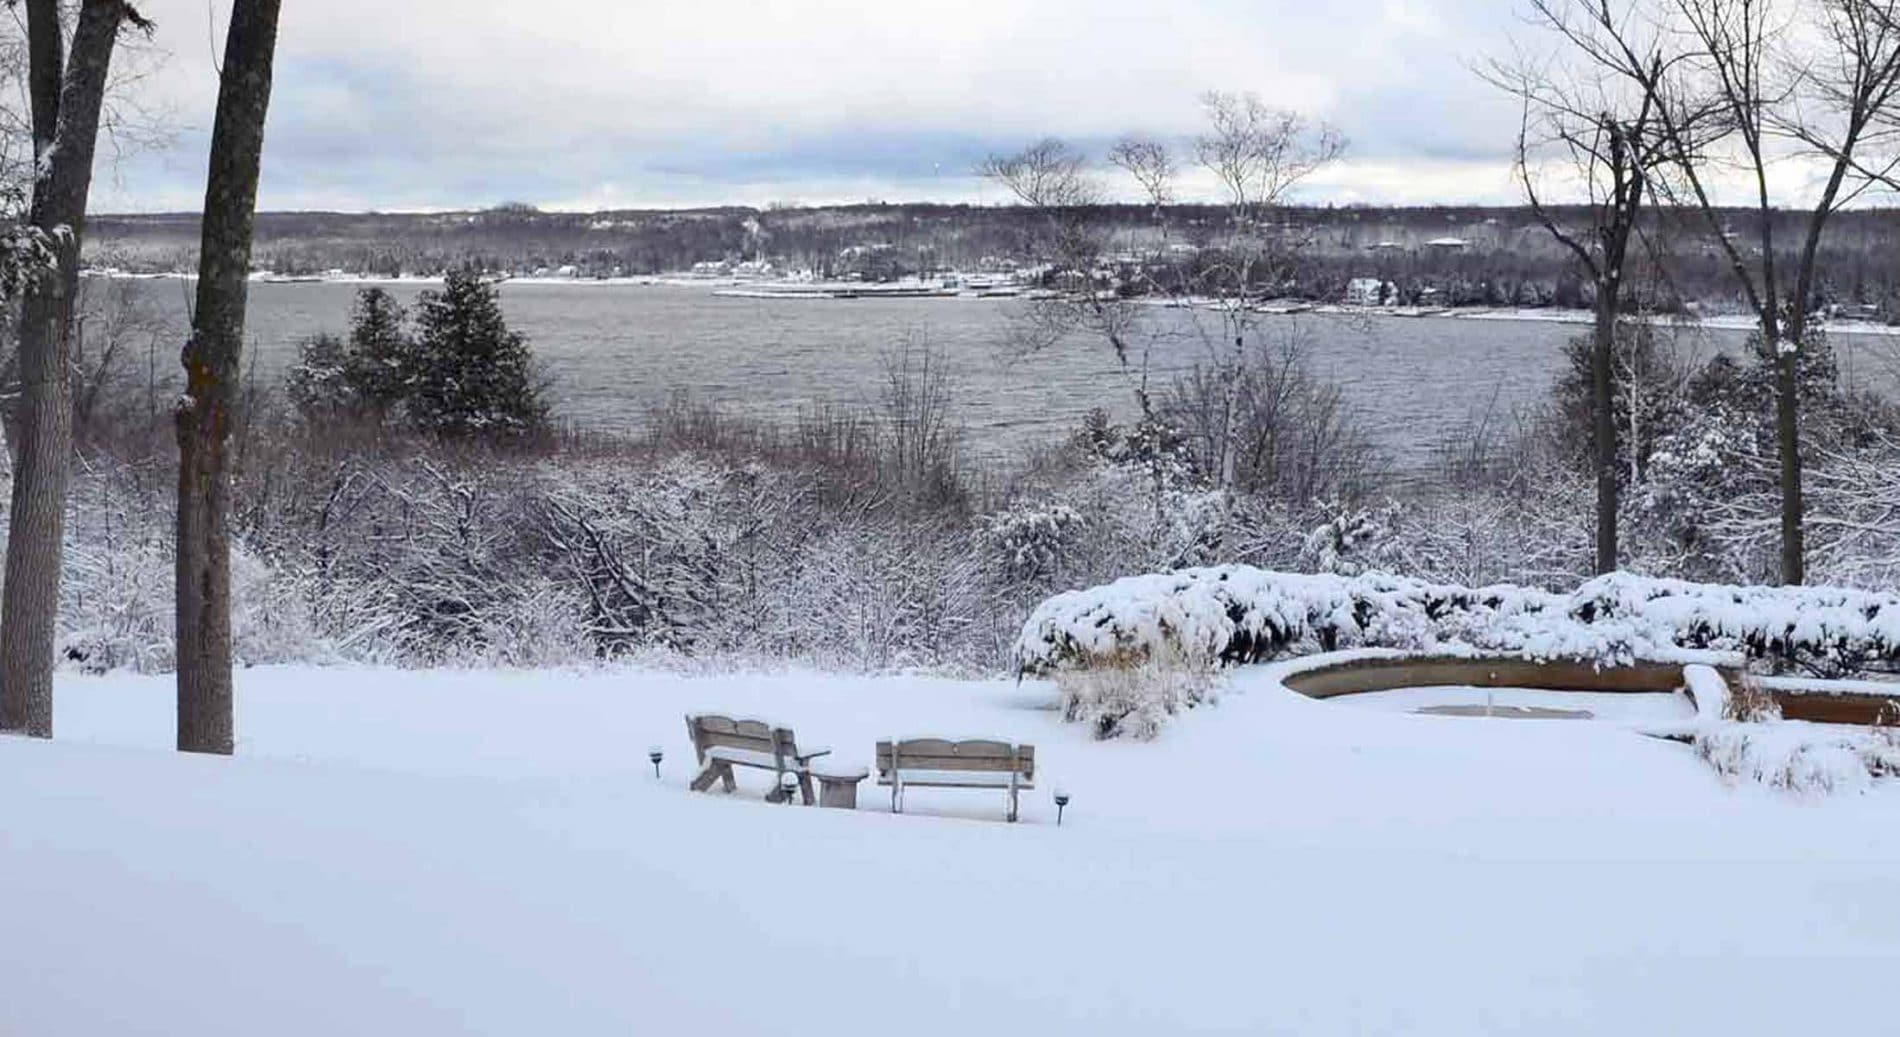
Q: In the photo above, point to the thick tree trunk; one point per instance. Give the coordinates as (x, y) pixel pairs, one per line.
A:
(211, 373)
(1794, 562)
(46, 70)
(42, 427)
(1603, 389)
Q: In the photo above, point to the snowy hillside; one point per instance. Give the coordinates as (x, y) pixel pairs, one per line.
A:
(479, 852)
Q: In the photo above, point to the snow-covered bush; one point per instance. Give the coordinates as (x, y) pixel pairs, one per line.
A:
(1031, 543)
(116, 610)
(1795, 757)
(1237, 614)
(1347, 539)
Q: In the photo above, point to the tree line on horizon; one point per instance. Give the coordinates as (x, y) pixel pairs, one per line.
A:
(1509, 260)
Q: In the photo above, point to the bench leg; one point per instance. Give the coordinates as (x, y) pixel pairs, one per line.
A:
(804, 788)
(715, 770)
(1012, 804)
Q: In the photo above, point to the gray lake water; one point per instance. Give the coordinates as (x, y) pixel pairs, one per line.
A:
(615, 352)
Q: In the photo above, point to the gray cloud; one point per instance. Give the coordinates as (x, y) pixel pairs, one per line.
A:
(448, 103)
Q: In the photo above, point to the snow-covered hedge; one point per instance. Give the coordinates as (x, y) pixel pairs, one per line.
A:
(1240, 614)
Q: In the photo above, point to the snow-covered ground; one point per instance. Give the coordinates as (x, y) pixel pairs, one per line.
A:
(481, 852)
(1640, 710)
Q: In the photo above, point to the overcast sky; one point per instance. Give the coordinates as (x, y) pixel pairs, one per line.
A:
(421, 104)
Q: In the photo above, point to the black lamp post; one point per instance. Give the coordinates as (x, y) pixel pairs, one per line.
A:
(654, 753)
(1062, 800)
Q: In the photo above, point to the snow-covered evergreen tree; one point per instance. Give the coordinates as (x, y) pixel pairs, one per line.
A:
(473, 376)
(319, 384)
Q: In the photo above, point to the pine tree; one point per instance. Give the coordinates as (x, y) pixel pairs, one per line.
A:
(472, 375)
(380, 364)
(319, 383)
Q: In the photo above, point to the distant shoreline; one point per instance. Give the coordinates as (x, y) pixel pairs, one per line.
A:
(1718, 322)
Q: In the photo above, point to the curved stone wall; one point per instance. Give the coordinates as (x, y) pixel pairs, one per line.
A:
(1350, 673)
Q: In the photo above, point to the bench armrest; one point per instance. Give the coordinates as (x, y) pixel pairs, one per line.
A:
(813, 754)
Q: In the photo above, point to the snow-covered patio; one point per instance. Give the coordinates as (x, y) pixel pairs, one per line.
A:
(488, 852)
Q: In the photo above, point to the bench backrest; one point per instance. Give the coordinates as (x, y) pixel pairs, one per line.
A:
(938, 754)
(708, 730)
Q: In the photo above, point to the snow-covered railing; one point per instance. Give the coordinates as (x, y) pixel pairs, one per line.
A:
(1239, 614)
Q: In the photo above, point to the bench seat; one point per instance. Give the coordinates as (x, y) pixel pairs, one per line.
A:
(959, 779)
(753, 757)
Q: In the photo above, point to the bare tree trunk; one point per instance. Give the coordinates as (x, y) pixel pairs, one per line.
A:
(43, 428)
(1602, 357)
(1788, 435)
(211, 361)
(1794, 563)
(46, 69)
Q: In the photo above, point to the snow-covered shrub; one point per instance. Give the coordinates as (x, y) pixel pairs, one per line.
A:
(1795, 757)
(1133, 696)
(270, 616)
(658, 556)
(1830, 631)
(116, 588)
(889, 596)
(545, 625)
(1031, 543)
(1237, 614)
(1750, 703)
(116, 606)
(1344, 541)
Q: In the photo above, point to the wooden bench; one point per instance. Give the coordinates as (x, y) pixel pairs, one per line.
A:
(978, 763)
(722, 743)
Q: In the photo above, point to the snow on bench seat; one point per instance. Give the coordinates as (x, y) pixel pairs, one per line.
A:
(755, 758)
(962, 779)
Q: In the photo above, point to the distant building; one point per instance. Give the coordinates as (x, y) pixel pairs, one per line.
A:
(1369, 291)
